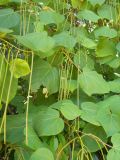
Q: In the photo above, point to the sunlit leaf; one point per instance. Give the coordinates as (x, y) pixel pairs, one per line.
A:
(19, 68)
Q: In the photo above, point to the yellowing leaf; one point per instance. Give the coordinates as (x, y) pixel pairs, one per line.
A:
(19, 68)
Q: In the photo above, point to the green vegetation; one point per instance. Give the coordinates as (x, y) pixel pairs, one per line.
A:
(59, 79)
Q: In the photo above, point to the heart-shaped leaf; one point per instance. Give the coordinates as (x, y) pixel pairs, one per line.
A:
(93, 83)
(48, 122)
(19, 68)
(37, 41)
(69, 110)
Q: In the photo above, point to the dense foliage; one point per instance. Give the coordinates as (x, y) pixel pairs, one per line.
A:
(59, 79)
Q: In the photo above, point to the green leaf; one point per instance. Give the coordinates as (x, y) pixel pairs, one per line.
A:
(83, 60)
(2, 68)
(65, 40)
(56, 59)
(48, 122)
(46, 75)
(108, 12)
(8, 94)
(118, 46)
(109, 120)
(112, 102)
(22, 154)
(4, 31)
(8, 84)
(39, 26)
(2, 2)
(18, 102)
(115, 85)
(114, 153)
(114, 63)
(83, 37)
(18, 1)
(105, 47)
(14, 129)
(42, 154)
(93, 83)
(54, 144)
(95, 2)
(105, 32)
(45, 54)
(72, 85)
(9, 18)
(19, 68)
(88, 15)
(104, 60)
(69, 110)
(45, 2)
(89, 43)
(0, 106)
(37, 41)
(33, 140)
(76, 3)
(115, 141)
(48, 17)
(90, 141)
(89, 112)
